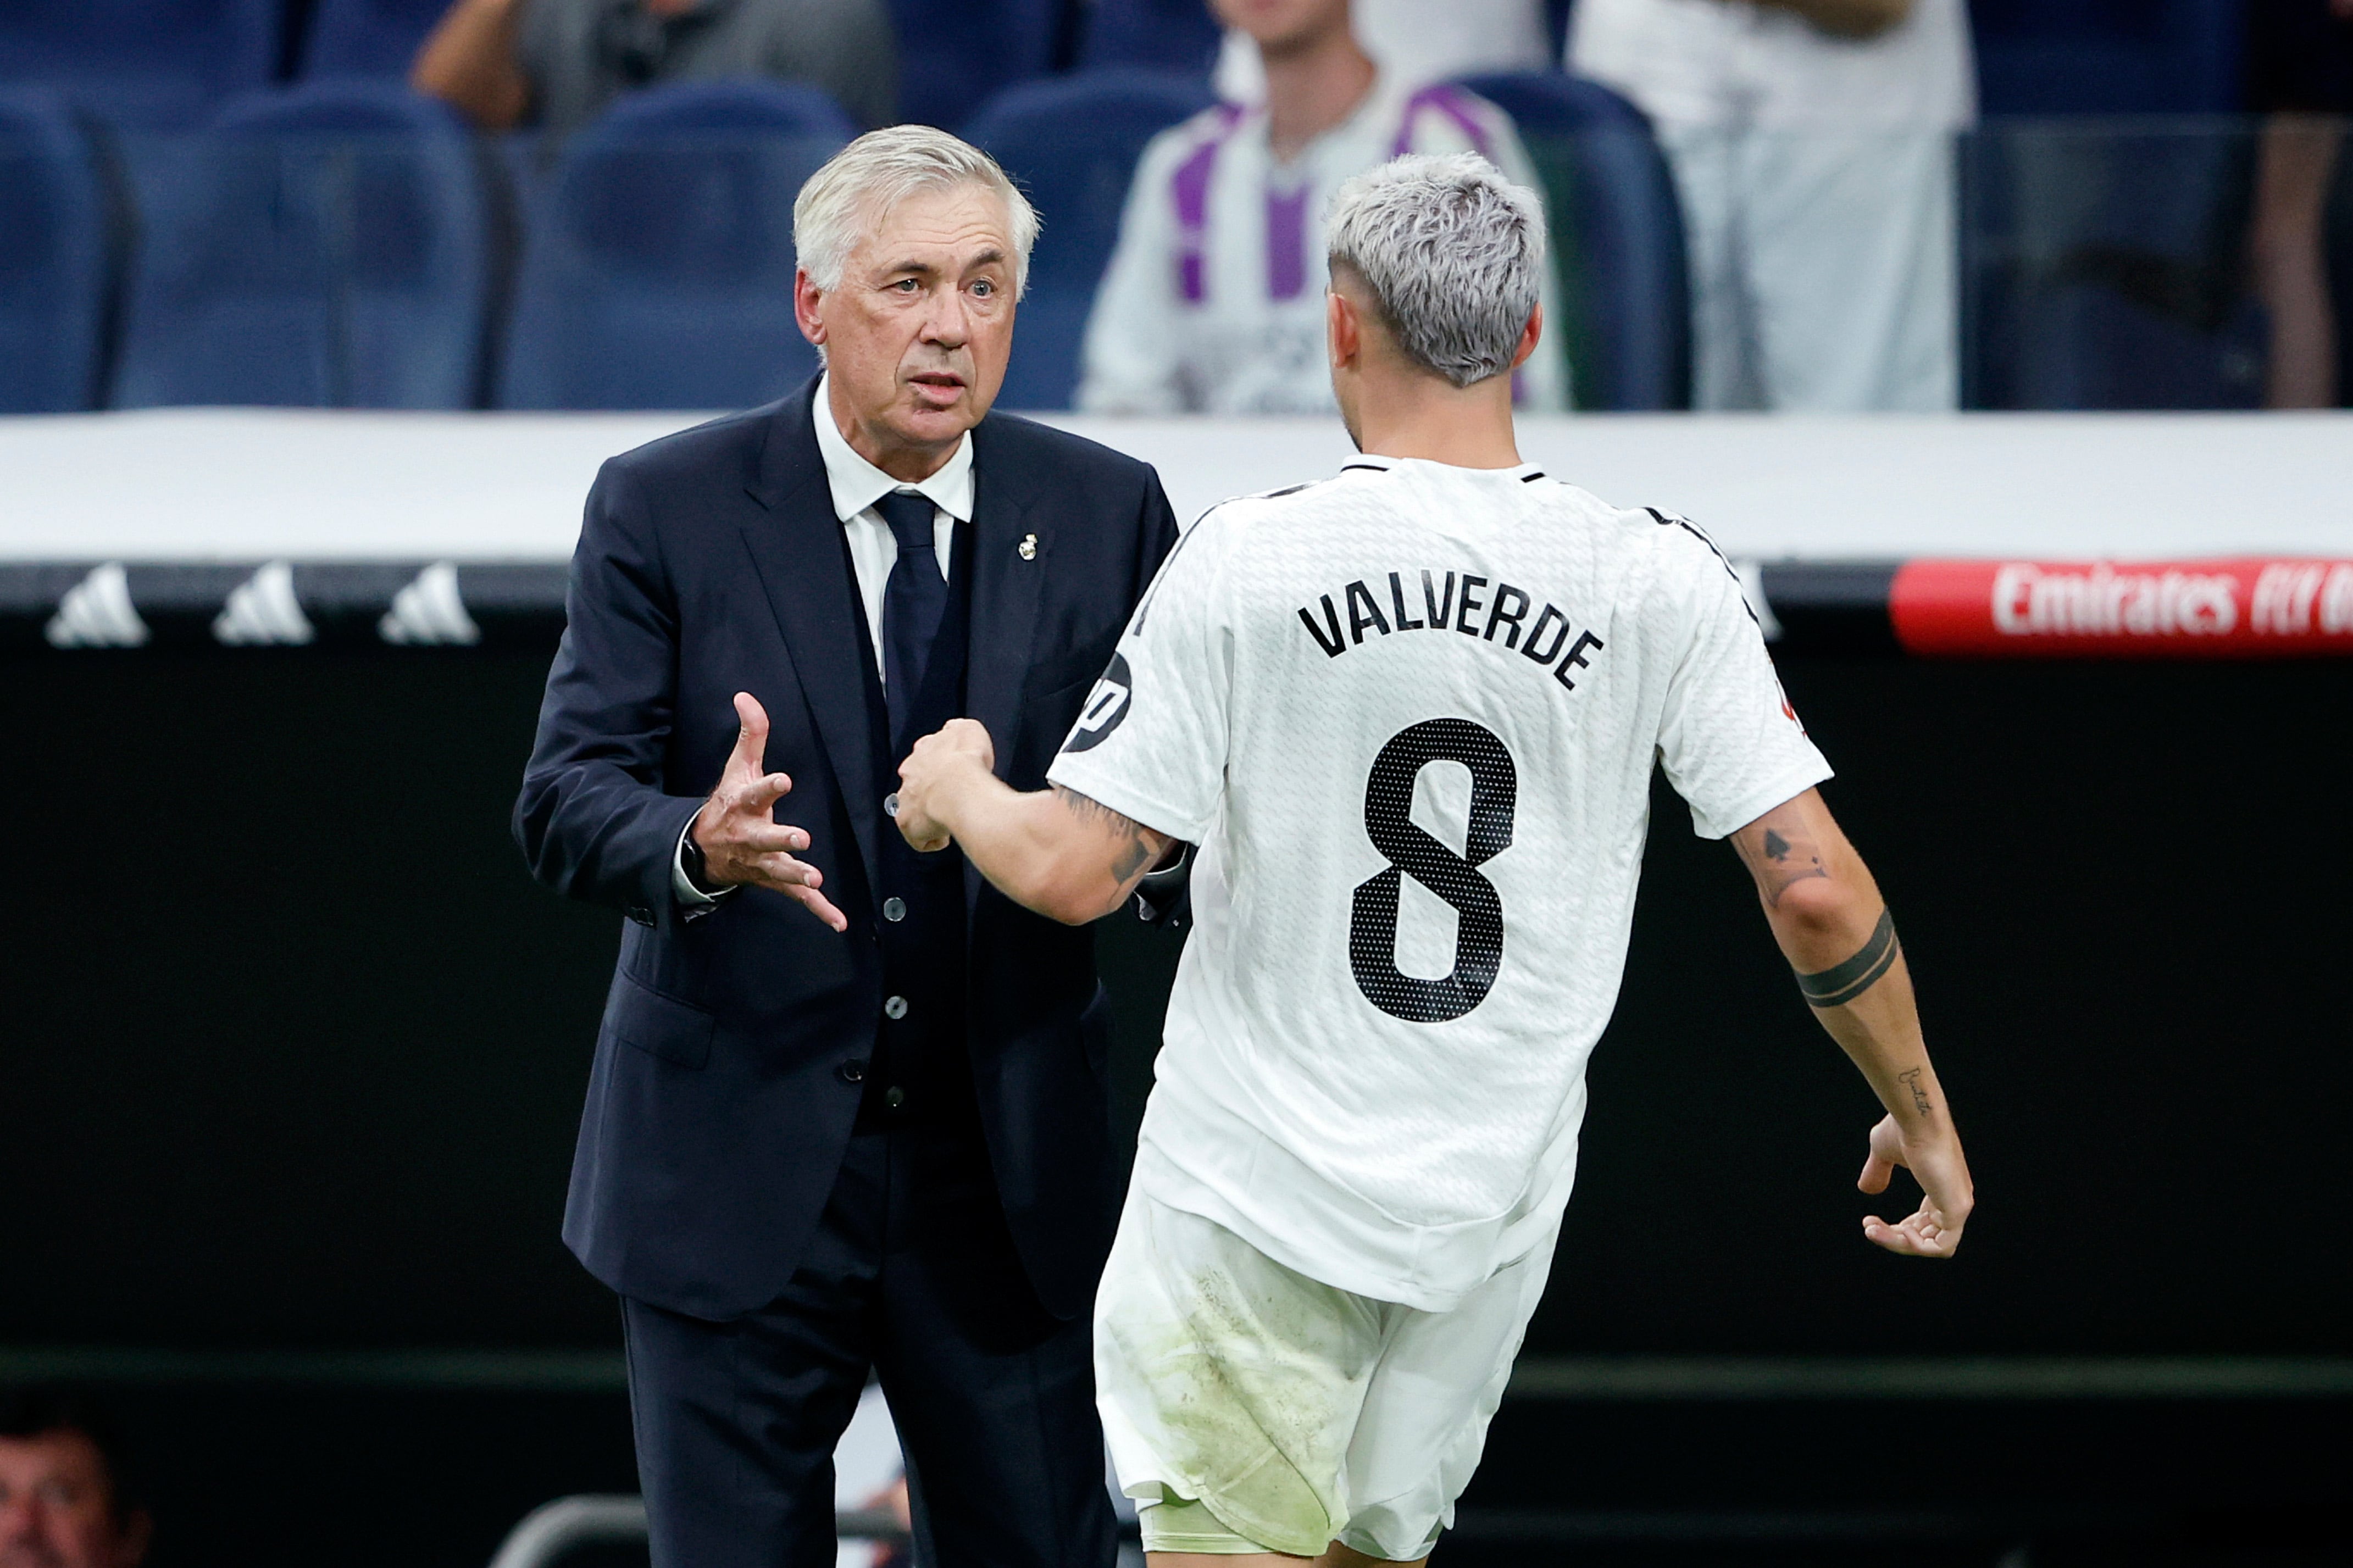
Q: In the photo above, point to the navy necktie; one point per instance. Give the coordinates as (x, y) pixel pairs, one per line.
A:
(914, 601)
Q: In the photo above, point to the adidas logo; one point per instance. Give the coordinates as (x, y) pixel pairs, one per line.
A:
(263, 610)
(429, 611)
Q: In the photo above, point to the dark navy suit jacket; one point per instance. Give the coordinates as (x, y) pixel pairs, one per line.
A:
(710, 562)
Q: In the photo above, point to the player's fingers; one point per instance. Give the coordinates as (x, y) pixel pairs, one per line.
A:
(764, 793)
(819, 906)
(751, 737)
(1876, 1173)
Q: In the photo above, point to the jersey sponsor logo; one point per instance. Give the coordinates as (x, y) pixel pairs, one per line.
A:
(2254, 606)
(1460, 605)
(1106, 708)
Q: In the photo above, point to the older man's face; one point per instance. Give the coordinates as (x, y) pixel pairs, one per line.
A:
(56, 1507)
(917, 336)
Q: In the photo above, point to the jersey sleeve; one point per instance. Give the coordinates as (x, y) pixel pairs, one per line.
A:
(1151, 741)
(1728, 738)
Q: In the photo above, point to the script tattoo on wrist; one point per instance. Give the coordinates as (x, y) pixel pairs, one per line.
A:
(1842, 983)
(1910, 1081)
(1140, 846)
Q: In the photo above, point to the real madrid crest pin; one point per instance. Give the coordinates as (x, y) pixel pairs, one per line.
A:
(1027, 548)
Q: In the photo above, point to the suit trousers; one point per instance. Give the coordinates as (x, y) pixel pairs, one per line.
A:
(912, 1273)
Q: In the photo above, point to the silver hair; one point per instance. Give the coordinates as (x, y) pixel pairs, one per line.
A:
(837, 205)
(1454, 255)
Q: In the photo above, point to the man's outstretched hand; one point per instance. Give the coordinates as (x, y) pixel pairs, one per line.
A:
(959, 749)
(1945, 1195)
(742, 842)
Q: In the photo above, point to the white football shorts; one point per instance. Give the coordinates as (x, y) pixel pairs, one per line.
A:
(1249, 1408)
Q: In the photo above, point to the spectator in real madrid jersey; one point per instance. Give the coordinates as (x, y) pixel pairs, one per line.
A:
(1812, 143)
(1418, 42)
(1214, 298)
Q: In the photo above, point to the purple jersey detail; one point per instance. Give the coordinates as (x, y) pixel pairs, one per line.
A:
(1286, 244)
(1190, 187)
(1448, 100)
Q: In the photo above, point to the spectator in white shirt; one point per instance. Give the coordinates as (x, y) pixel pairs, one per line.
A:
(1418, 41)
(1214, 298)
(1812, 141)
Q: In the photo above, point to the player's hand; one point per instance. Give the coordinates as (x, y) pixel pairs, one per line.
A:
(1946, 1194)
(957, 749)
(742, 842)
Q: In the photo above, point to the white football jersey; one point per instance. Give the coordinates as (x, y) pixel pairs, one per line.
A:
(1409, 714)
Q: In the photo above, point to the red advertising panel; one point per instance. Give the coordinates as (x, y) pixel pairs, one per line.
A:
(2243, 608)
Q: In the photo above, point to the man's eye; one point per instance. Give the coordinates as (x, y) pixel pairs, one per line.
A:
(904, 285)
(984, 288)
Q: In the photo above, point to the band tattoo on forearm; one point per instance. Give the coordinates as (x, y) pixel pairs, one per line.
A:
(1141, 845)
(1842, 983)
(1910, 1081)
(1776, 860)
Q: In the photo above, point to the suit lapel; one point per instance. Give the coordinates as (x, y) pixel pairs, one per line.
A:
(1011, 548)
(796, 548)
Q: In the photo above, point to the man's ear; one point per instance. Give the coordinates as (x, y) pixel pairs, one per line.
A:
(1530, 335)
(808, 306)
(1344, 329)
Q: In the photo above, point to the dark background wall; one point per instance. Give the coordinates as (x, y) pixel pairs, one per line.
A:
(292, 1054)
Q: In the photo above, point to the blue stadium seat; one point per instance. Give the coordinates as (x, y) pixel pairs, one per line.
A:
(368, 38)
(1624, 284)
(2109, 57)
(953, 54)
(56, 258)
(1152, 34)
(329, 245)
(657, 268)
(1078, 184)
(148, 64)
(2105, 267)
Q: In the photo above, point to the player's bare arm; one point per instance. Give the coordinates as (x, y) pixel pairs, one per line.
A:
(1054, 851)
(1837, 933)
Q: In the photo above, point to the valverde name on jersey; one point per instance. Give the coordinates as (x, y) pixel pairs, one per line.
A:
(1453, 604)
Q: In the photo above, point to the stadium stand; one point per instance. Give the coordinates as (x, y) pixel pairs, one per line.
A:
(143, 63)
(366, 37)
(1155, 35)
(2108, 56)
(953, 54)
(56, 257)
(2130, 293)
(1078, 185)
(658, 272)
(1625, 287)
(329, 245)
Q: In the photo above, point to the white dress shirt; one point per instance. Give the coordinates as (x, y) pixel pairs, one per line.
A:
(857, 485)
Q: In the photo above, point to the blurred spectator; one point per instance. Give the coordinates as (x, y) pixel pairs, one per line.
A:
(65, 1498)
(1812, 145)
(2300, 73)
(555, 63)
(1418, 42)
(1214, 298)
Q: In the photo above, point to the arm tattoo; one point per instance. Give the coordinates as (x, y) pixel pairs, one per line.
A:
(1777, 860)
(1910, 1081)
(1139, 850)
(1842, 983)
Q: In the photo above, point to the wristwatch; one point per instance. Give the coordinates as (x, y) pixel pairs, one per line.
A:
(698, 870)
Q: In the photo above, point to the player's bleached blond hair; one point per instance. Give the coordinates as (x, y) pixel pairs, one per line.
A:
(1453, 254)
(837, 205)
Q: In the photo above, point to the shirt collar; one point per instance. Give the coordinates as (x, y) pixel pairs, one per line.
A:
(858, 484)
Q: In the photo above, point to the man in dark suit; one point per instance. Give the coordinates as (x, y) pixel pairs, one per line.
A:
(848, 1108)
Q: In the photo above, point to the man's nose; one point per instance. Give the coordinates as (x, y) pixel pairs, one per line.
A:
(947, 323)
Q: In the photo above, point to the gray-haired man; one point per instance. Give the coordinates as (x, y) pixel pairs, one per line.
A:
(1410, 715)
(848, 1111)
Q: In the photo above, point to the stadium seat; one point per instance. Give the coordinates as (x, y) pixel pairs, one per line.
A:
(953, 54)
(329, 245)
(368, 38)
(658, 267)
(143, 63)
(2105, 267)
(56, 257)
(1078, 185)
(1152, 34)
(1624, 286)
(2109, 57)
